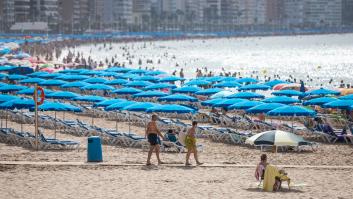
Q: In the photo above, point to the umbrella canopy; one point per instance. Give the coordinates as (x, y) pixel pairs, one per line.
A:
(138, 84)
(274, 82)
(232, 79)
(89, 98)
(322, 91)
(281, 99)
(16, 77)
(150, 94)
(244, 105)
(11, 87)
(288, 93)
(246, 95)
(77, 84)
(319, 101)
(53, 82)
(171, 79)
(127, 91)
(30, 91)
(198, 82)
(209, 91)
(139, 106)
(5, 98)
(98, 87)
(171, 108)
(211, 102)
(118, 69)
(277, 138)
(109, 102)
(36, 74)
(56, 106)
(347, 97)
(178, 97)
(34, 80)
(90, 72)
(146, 78)
(19, 103)
(264, 108)
(186, 89)
(254, 87)
(156, 72)
(129, 76)
(62, 95)
(119, 106)
(2, 75)
(109, 74)
(291, 111)
(221, 94)
(339, 104)
(72, 77)
(96, 80)
(48, 75)
(228, 84)
(6, 68)
(138, 71)
(116, 82)
(227, 102)
(247, 80)
(160, 86)
(216, 79)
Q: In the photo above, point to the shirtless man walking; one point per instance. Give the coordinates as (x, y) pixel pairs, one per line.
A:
(152, 133)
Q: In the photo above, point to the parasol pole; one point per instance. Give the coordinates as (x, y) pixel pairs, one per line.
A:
(36, 114)
(55, 124)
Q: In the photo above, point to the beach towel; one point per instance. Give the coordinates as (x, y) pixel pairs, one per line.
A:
(270, 177)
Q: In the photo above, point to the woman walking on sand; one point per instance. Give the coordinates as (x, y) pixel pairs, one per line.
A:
(190, 142)
(152, 133)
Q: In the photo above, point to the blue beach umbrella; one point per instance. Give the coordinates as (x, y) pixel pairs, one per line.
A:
(323, 92)
(30, 91)
(6, 68)
(36, 74)
(109, 74)
(34, 80)
(197, 82)
(281, 99)
(96, 80)
(178, 98)
(48, 75)
(288, 93)
(339, 104)
(116, 82)
(160, 86)
(11, 88)
(319, 101)
(291, 111)
(228, 84)
(209, 91)
(186, 89)
(62, 95)
(171, 79)
(16, 77)
(211, 102)
(118, 69)
(72, 77)
(274, 82)
(247, 80)
(139, 106)
(53, 82)
(129, 76)
(89, 98)
(254, 87)
(232, 79)
(91, 72)
(127, 91)
(155, 72)
(98, 87)
(347, 97)
(146, 78)
(150, 94)
(77, 84)
(138, 71)
(246, 95)
(221, 94)
(264, 108)
(138, 84)
(244, 105)
(2, 84)
(109, 102)
(2, 75)
(215, 79)
(170, 108)
(5, 98)
(119, 106)
(227, 102)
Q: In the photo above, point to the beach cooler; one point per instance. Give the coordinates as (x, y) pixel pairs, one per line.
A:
(94, 149)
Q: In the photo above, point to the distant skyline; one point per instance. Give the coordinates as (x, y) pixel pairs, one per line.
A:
(76, 16)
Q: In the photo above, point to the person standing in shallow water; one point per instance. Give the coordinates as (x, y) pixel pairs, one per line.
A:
(190, 142)
(152, 133)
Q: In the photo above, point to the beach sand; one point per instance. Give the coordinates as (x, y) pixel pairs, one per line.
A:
(167, 181)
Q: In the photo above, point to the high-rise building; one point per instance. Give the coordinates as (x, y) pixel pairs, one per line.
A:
(7, 11)
(22, 10)
(212, 11)
(293, 12)
(274, 12)
(229, 12)
(252, 12)
(122, 13)
(194, 11)
(45, 11)
(73, 15)
(323, 12)
(347, 12)
(142, 13)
